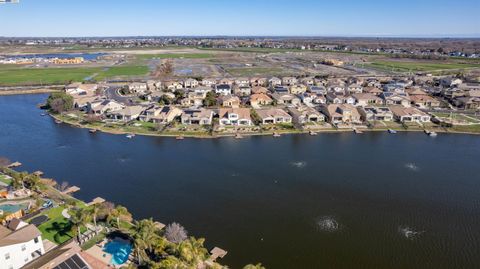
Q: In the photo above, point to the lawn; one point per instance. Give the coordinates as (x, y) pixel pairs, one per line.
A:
(25, 76)
(5, 179)
(418, 66)
(57, 229)
(175, 56)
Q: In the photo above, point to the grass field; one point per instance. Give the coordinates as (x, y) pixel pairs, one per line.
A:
(31, 76)
(5, 179)
(57, 229)
(418, 66)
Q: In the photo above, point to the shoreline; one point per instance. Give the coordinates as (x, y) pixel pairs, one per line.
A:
(25, 92)
(244, 135)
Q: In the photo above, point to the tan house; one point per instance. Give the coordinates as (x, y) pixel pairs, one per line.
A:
(374, 113)
(395, 98)
(242, 82)
(256, 81)
(409, 114)
(305, 114)
(234, 117)
(242, 90)
(190, 83)
(161, 115)
(273, 116)
(226, 81)
(286, 99)
(197, 116)
(193, 99)
(80, 89)
(289, 81)
(373, 90)
(365, 99)
(274, 81)
(126, 114)
(229, 101)
(424, 101)
(259, 89)
(137, 87)
(209, 82)
(298, 89)
(260, 99)
(173, 85)
(342, 114)
(468, 102)
(101, 107)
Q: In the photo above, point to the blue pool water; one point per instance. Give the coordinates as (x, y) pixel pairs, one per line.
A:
(120, 250)
(11, 208)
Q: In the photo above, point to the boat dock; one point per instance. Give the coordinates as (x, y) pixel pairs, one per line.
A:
(96, 201)
(15, 164)
(71, 189)
(216, 253)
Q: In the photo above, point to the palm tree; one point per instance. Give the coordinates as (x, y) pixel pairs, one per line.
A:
(256, 266)
(120, 212)
(94, 209)
(19, 179)
(192, 251)
(144, 234)
(80, 218)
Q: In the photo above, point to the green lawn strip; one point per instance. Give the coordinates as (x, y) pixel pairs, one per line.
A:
(45, 75)
(5, 179)
(474, 128)
(57, 229)
(90, 243)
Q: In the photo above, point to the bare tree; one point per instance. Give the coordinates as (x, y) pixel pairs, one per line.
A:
(163, 70)
(175, 233)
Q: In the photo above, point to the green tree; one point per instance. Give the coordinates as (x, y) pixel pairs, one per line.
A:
(252, 266)
(192, 251)
(79, 218)
(59, 102)
(120, 213)
(210, 99)
(143, 234)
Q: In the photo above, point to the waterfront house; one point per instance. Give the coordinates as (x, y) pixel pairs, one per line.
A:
(101, 107)
(199, 116)
(229, 101)
(396, 98)
(209, 82)
(273, 116)
(274, 81)
(223, 89)
(467, 102)
(286, 99)
(81, 102)
(80, 89)
(260, 99)
(305, 114)
(364, 99)
(424, 101)
(234, 117)
(342, 114)
(242, 91)
(20, 243)
(298, 89)
(161, 115)
(259, 89)
(409, 114)
(190, 83)
(126, 114)
(137, 87)
(375, 113)
(289, 81)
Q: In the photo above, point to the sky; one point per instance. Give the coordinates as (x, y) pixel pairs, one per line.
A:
(405, 18)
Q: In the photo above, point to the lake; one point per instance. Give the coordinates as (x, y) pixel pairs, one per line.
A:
(331, 201)
(86, 56)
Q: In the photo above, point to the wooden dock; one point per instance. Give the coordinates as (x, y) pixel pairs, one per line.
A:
(15, 164)
(96, 201)
(159, 225)
(71, 189)
(216, 253)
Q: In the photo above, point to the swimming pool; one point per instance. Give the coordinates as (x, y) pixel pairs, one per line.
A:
(120, 250)
(12, 208)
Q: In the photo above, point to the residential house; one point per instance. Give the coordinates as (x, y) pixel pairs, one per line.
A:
(342, 114)
(394, 87)
(193, 99)
(281, 89)
(20, 243)
(172, 85)
(305, 114)
(274, 81)
(424, 101)
(226, 81)
(153, 85)
(354, 88)
(298, 89)
(260, 99)
(467, 102)
(64, 256)
(256, 81)
(229, 101)
(126, 114)
(202, 89)
(208, 82)
(340, 98)
(308, 81)
(375, 113)
(242, 82)
(234, 117)
(81, 89)
(101, 107)
(197, 116)
(242, 90)
(161, 115)
(365, 99)
(320, 90)
(373, 90)
(450, 82)
(415, 91)
(336, 88)
(394, 98)
(259, 89)
(409, 114)
(289, 81)
(286, 99)
(190, 83)
(223, 89)
(137, 87)
(273, 116)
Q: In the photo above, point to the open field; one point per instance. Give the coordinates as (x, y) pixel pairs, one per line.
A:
(26, 76)
(254, 71)
(175, 56)
(122, 71)
(419, 66)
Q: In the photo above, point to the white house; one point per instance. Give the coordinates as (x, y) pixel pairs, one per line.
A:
(137, 87)
(234, 117)
(103, 106)
(20, 243)
(223, 89)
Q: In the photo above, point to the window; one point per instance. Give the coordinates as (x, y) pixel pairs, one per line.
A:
(24, 247)
(35, 240)
(7, 256)
(26, 260)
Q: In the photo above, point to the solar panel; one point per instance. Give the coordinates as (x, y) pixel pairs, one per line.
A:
(73, 262)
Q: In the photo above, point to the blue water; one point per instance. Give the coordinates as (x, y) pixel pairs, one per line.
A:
(11, 208)
(119, 250)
